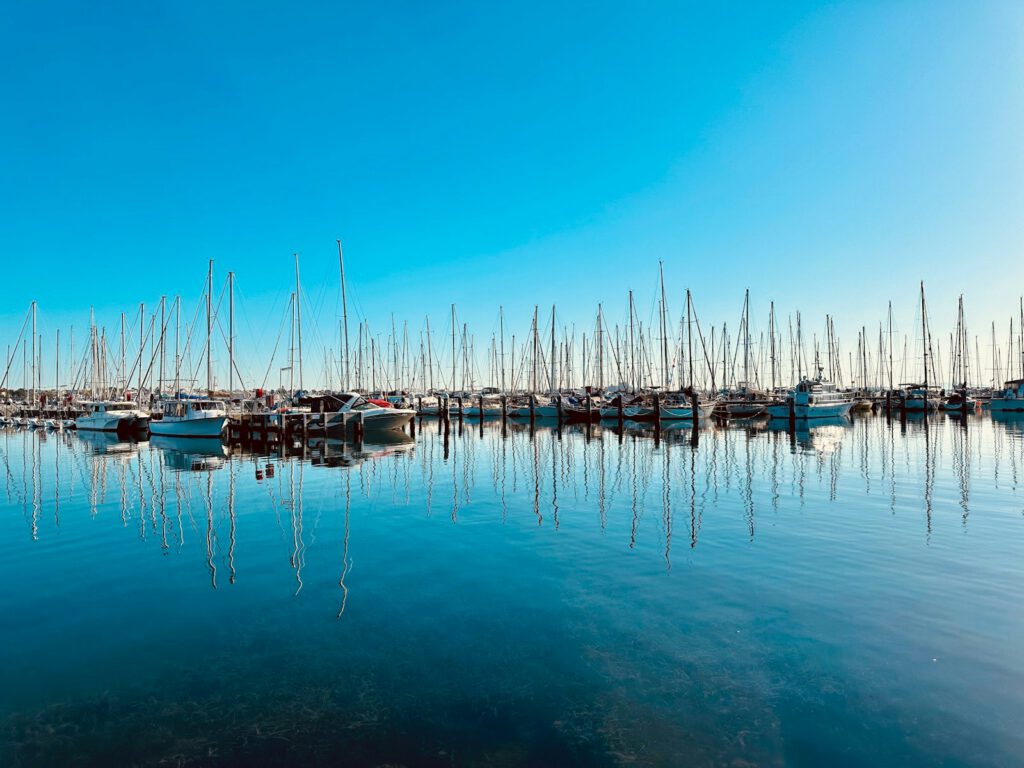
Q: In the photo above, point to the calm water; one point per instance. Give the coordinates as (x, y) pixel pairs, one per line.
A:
(853, 595)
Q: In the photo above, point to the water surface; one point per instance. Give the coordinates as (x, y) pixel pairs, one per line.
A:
(846, 595)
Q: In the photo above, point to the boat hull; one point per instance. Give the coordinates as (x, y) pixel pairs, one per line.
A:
(206, 427)
(809, 412)
(377, 421)
(1006, 405)
(105, 423)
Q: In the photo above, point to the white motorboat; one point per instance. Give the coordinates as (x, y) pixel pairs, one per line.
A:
(1010, 399)
(813, 399)
(111, 416)
(190, 418)
(347, 408)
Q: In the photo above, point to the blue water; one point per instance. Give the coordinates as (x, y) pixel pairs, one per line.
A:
(848, 595)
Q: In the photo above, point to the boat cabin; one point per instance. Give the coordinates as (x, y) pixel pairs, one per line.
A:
(192, 409)
(109, 407)
(1013, 390)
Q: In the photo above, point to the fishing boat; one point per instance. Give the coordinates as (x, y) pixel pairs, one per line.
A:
(111, 416)
(813, 399)
(190, 418)
(1010, 399)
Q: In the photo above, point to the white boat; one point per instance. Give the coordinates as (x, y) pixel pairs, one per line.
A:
(190, 418)
(111, 416)
(813, 399)
(1010, 399)
(373, 416)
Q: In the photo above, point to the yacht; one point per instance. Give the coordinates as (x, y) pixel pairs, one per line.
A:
(341, 409)
(813, 399)
(111, 416)
(190, 418)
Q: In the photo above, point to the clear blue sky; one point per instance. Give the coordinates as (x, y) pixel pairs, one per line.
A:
(828, 156)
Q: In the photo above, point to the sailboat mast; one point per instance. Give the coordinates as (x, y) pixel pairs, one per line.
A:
(298, 316)
(501, 326)
(924, 344)
(632, 346)
(553, 383)
(209, 329)
(177, 351)
(689, 336)
(536, 348)
(163, 342)
(664, 329)
(231, 332)
(746, 338)
(344, 320)
(32, 397)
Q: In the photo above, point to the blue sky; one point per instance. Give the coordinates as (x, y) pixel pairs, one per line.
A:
(828, 156)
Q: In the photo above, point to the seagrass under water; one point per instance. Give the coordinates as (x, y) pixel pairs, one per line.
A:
(846, 595)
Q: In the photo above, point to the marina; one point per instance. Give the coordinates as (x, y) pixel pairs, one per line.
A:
(524, 385)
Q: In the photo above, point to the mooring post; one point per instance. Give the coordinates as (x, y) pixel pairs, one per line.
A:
(458, 402)
(558, 409)
(657, 412)
(619, 410)
(504, 408)
(480, 400)
(533, 408)
(694, 408)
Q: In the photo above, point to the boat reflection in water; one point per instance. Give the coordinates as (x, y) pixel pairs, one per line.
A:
(112, 443)
(191, 454)
(333, 452)
(821, 436)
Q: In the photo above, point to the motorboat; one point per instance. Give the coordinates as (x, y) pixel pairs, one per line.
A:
(185, 417)
(1010, 398)
(813, 399)
(347, 408)
(111, 416)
